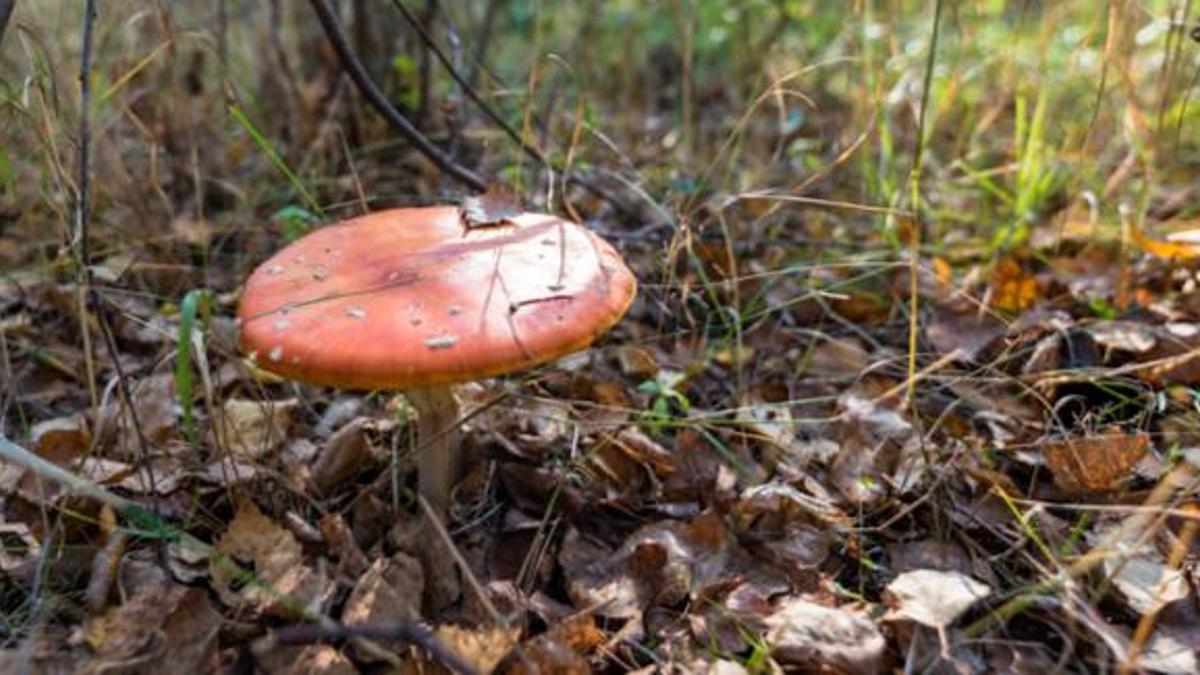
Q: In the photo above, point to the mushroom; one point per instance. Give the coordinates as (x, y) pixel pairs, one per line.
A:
(418, 300)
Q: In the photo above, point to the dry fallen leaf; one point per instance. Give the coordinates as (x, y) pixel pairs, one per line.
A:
(1165, 653)
(389, 592)
(1179, 246)
(482, 647)
(1148, 586)
(348, 451)
(816, 638)
(271, 657)
(272, 577)
(933, 598)
(1013, 288)
(1095, 463)
(561, 650)
(162, 628)
(252, 430)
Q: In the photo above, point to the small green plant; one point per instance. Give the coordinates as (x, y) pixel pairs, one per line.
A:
(296, 221)
(666, 402)
(195, 305)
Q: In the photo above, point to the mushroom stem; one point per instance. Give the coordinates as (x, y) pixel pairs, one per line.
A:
(439, 443)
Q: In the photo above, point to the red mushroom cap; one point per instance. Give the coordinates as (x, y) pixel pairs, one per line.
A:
(414, 298)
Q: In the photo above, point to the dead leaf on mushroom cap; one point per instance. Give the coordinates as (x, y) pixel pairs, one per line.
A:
(496, 206)
(933, 598)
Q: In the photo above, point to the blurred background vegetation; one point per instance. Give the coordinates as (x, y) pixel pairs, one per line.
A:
(682, 104)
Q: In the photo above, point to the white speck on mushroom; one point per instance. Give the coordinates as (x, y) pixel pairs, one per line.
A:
(281, 325)
(275, 269)
(454, 310)
(276, 354)
(442, 341)
(356, 312)
(320, 273)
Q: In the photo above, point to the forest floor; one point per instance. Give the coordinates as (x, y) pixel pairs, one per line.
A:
(911, 383)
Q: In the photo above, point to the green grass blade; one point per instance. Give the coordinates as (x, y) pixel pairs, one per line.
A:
(265, 146)
(197, 301)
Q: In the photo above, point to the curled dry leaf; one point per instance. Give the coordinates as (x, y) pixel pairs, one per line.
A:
(252, 430)
(933, 598)
(389, 592)
(261, 567)
(818, 638)
(347, 451)
(1095, 463)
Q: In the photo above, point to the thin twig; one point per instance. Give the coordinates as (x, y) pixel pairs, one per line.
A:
(223, 44)
(12, 453)
(379, 101)
(80, 241)
(518, 138)
(89, 298)
(470, 91)
(426, 66)
(403, 632)
(485, 39)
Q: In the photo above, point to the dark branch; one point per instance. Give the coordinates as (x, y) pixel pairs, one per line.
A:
(531, 151)
(6, 10)
(83, 206)
(380, 102)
